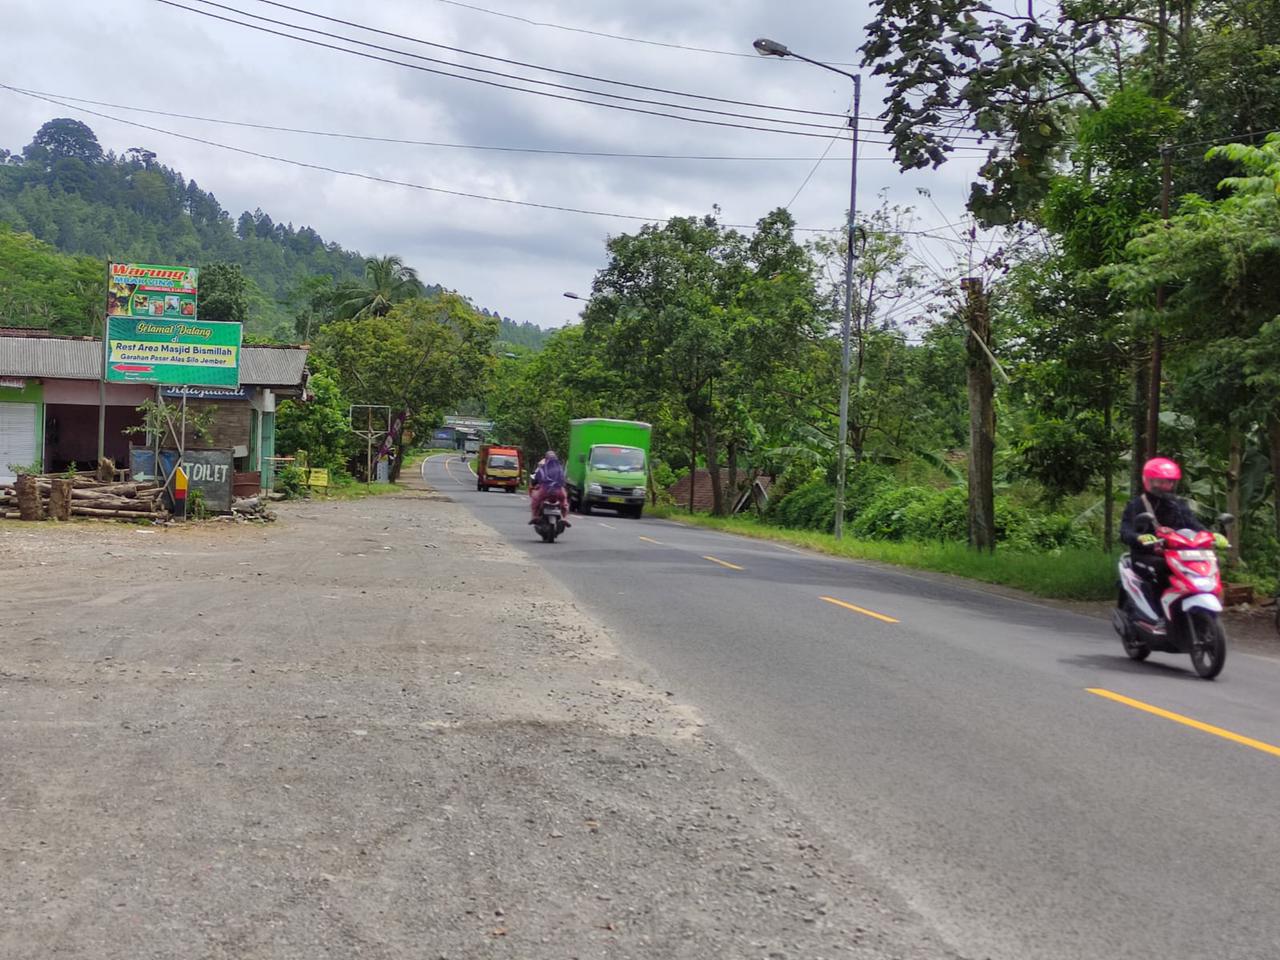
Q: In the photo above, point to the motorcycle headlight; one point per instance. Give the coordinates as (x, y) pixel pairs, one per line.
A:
(595, 488)
(639, 492)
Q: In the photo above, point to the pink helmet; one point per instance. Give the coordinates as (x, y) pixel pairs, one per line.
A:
(1159, 468)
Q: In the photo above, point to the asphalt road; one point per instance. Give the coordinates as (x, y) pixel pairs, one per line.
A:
(968, 749)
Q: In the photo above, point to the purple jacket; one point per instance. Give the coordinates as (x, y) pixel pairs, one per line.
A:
(550, 475)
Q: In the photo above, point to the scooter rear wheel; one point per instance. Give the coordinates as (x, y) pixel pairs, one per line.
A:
(1134, 648)
(1208, 644)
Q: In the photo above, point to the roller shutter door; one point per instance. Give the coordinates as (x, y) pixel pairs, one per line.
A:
(17, 437)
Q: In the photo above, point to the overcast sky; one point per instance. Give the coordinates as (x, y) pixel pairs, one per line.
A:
(517, 260)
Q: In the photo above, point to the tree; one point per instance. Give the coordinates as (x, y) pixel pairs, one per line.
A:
(224, 293)
(420, 358)
(64, 138)
(691, 312)
(1220, 261)
(319, 425)
(387, 282)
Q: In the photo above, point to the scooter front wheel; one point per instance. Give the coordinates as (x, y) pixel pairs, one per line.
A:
(1208, 644)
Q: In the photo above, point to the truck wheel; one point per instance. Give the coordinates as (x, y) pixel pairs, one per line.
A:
(584, 507)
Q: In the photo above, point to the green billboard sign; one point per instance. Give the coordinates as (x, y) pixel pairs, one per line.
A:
(172, 352)
(148, 290)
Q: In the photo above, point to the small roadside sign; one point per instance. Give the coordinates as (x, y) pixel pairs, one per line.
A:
(317, 478)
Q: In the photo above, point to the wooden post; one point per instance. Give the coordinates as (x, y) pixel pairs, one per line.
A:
(693, 461)
(60, 499)
(30, 506)
(982, 419)
(1273, 435)
(1108, 482)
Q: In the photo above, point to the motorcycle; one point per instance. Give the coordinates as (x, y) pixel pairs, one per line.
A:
(1191, 604)
(550, 523)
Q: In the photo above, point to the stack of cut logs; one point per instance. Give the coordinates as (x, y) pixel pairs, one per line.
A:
(61, 498)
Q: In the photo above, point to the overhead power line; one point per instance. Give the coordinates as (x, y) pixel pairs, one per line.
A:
(617, 36)
(371, 138)
(507, 86)
(555, 70)
(485, 71)
(324, 168)
(529, 66)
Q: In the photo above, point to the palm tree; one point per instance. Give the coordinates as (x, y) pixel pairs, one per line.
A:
(387, 281)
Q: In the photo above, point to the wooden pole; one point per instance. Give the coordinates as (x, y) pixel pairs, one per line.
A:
(982, 419)
(693, 462)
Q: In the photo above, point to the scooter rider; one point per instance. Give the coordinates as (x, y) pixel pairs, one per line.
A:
(548, 481)
(1160, 478)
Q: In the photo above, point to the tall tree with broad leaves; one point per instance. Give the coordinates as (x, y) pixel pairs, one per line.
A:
(1014, 76)
(692, 312)
(419, 358)
(63, 139)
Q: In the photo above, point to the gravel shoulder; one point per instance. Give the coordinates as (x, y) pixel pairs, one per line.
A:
(374, 729)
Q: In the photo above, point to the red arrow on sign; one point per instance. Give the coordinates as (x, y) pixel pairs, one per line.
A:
(131, 368)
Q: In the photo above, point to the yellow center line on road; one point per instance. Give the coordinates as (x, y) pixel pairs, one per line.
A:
(1187, 721)
(861, 610)
(651, 540)
(724, 563)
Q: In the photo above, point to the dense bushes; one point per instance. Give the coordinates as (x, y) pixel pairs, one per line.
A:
(878, 507)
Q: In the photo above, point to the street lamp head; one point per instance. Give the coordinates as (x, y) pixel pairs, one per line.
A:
(573, 296)
(771, 48)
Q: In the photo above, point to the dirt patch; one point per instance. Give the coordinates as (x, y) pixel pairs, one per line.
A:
(373, 729)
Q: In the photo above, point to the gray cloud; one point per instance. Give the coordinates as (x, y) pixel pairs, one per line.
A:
(511, 259)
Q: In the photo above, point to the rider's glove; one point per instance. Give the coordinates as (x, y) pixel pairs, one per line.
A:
(1220, 541)
(1148, 539)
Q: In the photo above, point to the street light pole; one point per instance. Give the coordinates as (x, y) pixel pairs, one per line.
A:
(771, 48)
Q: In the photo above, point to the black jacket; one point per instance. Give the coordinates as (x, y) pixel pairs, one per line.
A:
(1170, 512)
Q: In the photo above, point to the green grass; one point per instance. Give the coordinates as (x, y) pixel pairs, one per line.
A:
(1067, 575)
(356, 491)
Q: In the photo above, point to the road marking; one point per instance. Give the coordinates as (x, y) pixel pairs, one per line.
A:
(609, 525)
(788, 549)
(651, 540)
(724, 563)
(863, 611)
(1187, 721)
(450, 473)
(470, 467)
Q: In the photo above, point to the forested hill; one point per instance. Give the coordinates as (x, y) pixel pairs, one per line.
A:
(528, 335)
(65, 190)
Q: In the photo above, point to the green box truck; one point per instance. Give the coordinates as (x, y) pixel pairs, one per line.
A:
(608, 465)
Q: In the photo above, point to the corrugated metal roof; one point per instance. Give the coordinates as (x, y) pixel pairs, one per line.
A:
(272, 366)
(75, 359)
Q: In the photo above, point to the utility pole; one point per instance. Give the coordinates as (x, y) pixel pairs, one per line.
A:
(1157, 341)
(982, 418)
(771, 48)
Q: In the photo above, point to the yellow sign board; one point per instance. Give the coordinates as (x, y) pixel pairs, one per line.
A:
(317, 478)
